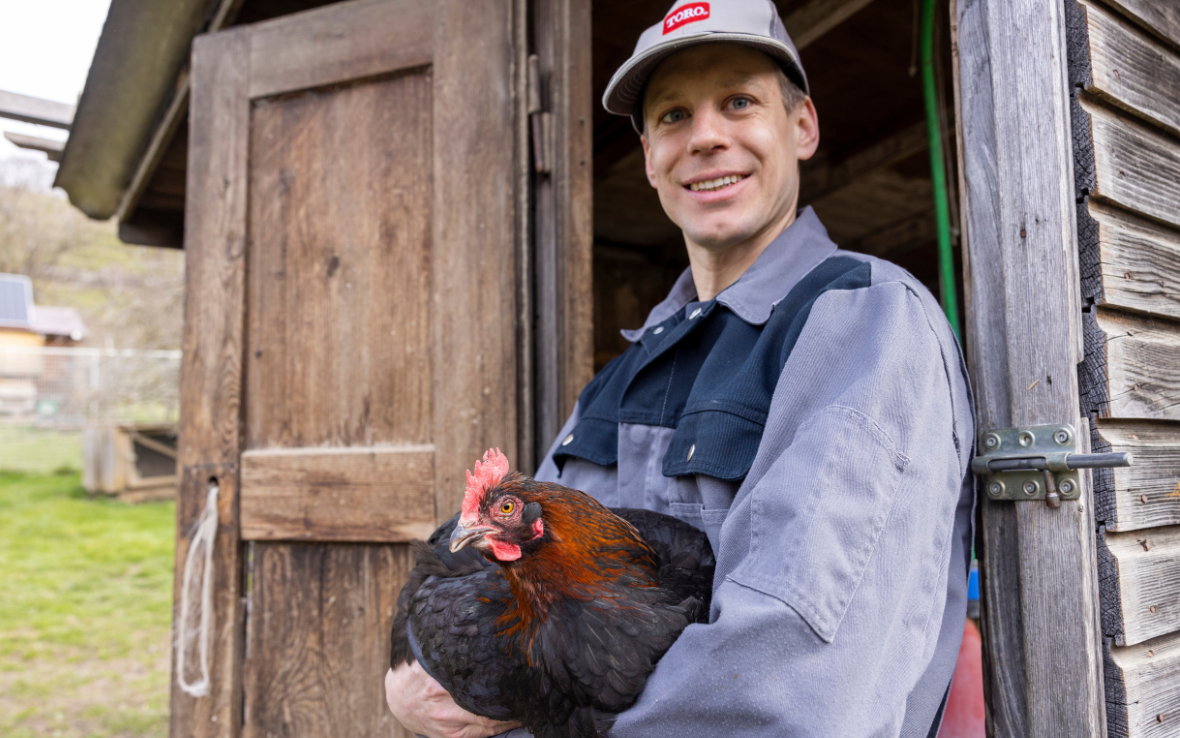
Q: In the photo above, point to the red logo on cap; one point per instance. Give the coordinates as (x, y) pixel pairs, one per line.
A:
(685, 14)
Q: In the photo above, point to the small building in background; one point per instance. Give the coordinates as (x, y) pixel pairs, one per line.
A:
(24, 329)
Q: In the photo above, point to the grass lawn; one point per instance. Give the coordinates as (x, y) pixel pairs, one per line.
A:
(37, 451)
(85, 611)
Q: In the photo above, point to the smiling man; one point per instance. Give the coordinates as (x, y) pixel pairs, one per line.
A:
(806, 407)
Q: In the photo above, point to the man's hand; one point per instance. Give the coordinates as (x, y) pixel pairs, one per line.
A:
(422, 706)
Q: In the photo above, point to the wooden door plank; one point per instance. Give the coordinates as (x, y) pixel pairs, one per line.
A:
(473, 295)
(211, 376)
(1147, 493)
(1140, 579)
(1129, 69)
(816, 17)
(1025, 331)
(380, 495)
(1159, 18)
(338, 305)
(316, 667)
(564, 217)
(337, 43)
(821, 178)
(997, 548)
(1138, 262)
(1132, 368)
(1135, 167)
(1143, 689)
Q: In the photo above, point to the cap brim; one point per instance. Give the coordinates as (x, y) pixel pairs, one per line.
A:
(622, 95)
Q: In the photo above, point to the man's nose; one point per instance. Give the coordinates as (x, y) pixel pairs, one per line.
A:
(708, 131)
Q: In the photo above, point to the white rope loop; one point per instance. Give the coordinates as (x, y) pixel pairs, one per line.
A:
(198, 608)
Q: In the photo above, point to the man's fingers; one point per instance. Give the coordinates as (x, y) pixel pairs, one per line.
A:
(423, 706)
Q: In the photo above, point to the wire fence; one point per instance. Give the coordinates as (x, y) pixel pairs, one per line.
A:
(49, 395)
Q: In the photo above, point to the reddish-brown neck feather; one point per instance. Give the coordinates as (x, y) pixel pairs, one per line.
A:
(587, 550)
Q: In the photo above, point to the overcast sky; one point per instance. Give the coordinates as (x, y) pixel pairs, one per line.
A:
(45, 51)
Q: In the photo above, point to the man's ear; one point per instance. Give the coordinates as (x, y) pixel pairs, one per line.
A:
(647, 166)
(808, 125)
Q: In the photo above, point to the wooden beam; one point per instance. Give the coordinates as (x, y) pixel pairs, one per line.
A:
(211, 372)
(1159, 18)
(1147, 493)
(824, 178)
(1143, 688)
(1135, 166)
(1140, 576)
(375, 495)
(564, 218)
(897, 237)
(1136, 266)
(1128, 69)
(300, 52)
(1132, 368)
(175, 114)
(49, 146)
(817, 17)
(1040, 586)
(35, 110)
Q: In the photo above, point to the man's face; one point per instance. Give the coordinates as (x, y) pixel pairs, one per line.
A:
(715, 112)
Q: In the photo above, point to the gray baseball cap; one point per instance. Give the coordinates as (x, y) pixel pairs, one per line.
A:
(753, 23)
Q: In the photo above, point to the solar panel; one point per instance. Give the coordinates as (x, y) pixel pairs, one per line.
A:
(16, 301)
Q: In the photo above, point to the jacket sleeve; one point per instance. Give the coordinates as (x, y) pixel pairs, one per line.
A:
(841, 545)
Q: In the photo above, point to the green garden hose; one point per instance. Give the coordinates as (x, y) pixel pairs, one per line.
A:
(946, 261)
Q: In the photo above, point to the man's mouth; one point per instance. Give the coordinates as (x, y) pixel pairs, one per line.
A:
(711, 185)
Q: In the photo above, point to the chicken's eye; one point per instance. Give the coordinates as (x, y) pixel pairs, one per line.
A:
(507, 507)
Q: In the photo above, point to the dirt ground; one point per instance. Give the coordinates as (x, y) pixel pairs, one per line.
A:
(64, 694)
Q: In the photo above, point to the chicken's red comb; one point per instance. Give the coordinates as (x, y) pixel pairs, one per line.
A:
(487, 475)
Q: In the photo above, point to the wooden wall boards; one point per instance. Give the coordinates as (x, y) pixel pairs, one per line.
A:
(1124, 62)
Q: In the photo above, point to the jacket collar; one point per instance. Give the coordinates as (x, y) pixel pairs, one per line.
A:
(789, 257)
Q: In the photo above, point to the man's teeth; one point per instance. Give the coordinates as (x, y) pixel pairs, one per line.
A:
(716, 184)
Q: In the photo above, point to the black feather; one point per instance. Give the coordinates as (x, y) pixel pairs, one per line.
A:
(566, 675)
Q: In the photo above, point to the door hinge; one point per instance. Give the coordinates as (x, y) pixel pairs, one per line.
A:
(1038, 462)
(540, 122)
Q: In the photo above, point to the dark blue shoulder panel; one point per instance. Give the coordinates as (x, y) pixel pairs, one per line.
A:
(710, 378)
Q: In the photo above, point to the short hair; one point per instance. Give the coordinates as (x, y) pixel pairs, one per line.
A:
(792, 95)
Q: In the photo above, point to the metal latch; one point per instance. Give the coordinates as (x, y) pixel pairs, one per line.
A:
(1039, 462)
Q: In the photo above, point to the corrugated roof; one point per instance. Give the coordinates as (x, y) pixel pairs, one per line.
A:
(16, 301)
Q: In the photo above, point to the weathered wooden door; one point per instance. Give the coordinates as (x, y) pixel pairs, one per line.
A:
(350, 343)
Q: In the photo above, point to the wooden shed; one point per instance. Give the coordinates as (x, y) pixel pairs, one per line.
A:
(412, 234)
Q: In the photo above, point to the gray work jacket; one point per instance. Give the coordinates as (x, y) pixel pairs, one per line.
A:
(815, 420)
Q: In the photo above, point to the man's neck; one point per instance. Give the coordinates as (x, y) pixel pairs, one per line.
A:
(714, 269)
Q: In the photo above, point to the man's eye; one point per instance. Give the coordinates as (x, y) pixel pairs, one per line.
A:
(507, 508)
(740, 103)
(672, 116)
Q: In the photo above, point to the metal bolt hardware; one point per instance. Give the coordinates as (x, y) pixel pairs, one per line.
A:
(1037, 463)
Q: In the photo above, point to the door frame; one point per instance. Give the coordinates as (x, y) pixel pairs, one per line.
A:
(1040, 612)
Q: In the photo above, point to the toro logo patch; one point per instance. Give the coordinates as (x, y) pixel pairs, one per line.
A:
(685, 14)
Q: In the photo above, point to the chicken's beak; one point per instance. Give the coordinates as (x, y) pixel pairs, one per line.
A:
(462, 537)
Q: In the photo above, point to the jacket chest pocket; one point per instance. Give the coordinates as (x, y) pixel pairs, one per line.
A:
(720, 443)
(817, 517)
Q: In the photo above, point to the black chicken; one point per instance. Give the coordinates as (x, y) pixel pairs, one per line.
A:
(538, 604)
